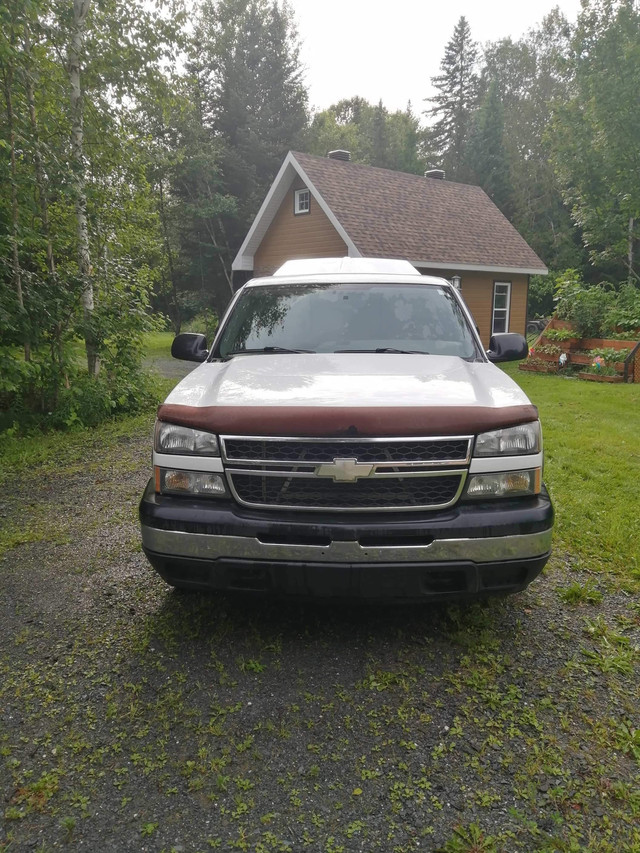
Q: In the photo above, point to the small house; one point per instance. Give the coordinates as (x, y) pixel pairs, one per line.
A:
(330, 207)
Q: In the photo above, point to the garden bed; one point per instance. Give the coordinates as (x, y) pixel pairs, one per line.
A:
(582, 352)
(599, 377)
(539, 368)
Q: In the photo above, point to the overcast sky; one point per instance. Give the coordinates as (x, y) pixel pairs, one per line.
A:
(391, 49)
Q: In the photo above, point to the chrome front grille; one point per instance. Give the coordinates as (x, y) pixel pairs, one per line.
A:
(438, 451)
(346, 474)
(371, 493)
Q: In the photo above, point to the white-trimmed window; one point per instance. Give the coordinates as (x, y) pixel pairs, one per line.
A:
(302, 201)
(501, 305)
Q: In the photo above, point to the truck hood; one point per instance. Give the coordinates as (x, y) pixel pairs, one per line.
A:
(357, 393)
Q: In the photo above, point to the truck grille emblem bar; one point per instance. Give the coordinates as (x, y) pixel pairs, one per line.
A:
(345, 470)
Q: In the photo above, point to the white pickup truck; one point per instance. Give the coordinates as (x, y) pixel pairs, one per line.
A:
(347, 435)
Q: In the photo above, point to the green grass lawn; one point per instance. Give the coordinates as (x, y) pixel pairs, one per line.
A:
(592, 468)
(158, 345)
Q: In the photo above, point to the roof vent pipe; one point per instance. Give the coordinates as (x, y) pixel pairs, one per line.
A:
(339, 154)
(436, 174)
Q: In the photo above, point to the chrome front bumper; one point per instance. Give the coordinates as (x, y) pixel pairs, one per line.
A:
(202, 546)
(466, 550)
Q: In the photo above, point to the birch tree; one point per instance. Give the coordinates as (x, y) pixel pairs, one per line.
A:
(79, 236)
(9, 61)
(75, 56)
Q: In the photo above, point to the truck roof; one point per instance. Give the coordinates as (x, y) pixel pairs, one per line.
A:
(351, 266)
(346, 270)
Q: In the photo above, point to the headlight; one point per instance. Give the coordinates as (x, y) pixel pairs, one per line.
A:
(203, 484)
(512, 441)
(508, 484)
(171, 438)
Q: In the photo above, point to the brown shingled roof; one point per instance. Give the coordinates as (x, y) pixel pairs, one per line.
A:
(397, 215)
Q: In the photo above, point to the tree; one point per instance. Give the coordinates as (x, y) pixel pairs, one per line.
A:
(255, 103)
(76, 47)
(232, 118)
(77, 226)
(327, 133)
(455, 101)
(487, 156)
(596, 132)
(14, 20)
(529, 76)
(370, 133)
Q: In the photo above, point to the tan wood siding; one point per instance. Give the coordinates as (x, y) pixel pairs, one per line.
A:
(518, 313)
(477, 291)
(307, 235)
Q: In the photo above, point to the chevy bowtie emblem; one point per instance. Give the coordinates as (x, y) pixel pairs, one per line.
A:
(344, 470)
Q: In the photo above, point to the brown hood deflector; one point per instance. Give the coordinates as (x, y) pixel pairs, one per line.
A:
(343, 421)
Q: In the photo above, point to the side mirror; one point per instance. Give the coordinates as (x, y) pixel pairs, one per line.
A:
(507, 346)
(190, 347)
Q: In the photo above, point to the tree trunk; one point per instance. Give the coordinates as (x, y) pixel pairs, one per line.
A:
(176, 320)
(16, 270)
(43, 203)
(630, 253)
(41, 184)
(80, 11)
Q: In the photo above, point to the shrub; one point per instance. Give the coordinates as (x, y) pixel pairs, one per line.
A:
(567, 287)
(610, 354)
(560, 334)
(206, 323)
(585, 306)
(39, 401)
(596, 310)
(624, 313)
(604, 370)
(53, 389)
(540, 298)
(589, 310)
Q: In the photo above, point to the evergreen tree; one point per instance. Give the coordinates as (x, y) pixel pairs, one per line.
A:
(407, 142)
(380, 137)
(202, 208)
(455, 101)
(234, 116)
(255, 103)
(487, 156)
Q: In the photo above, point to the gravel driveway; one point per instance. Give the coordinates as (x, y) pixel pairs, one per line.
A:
(135, 718)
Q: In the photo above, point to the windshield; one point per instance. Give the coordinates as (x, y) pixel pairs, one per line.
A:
(347, 317)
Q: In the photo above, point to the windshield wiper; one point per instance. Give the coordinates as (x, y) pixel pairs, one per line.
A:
(388, 349)
(262, 350)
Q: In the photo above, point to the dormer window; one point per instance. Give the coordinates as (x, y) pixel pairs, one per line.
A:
(302, 201)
